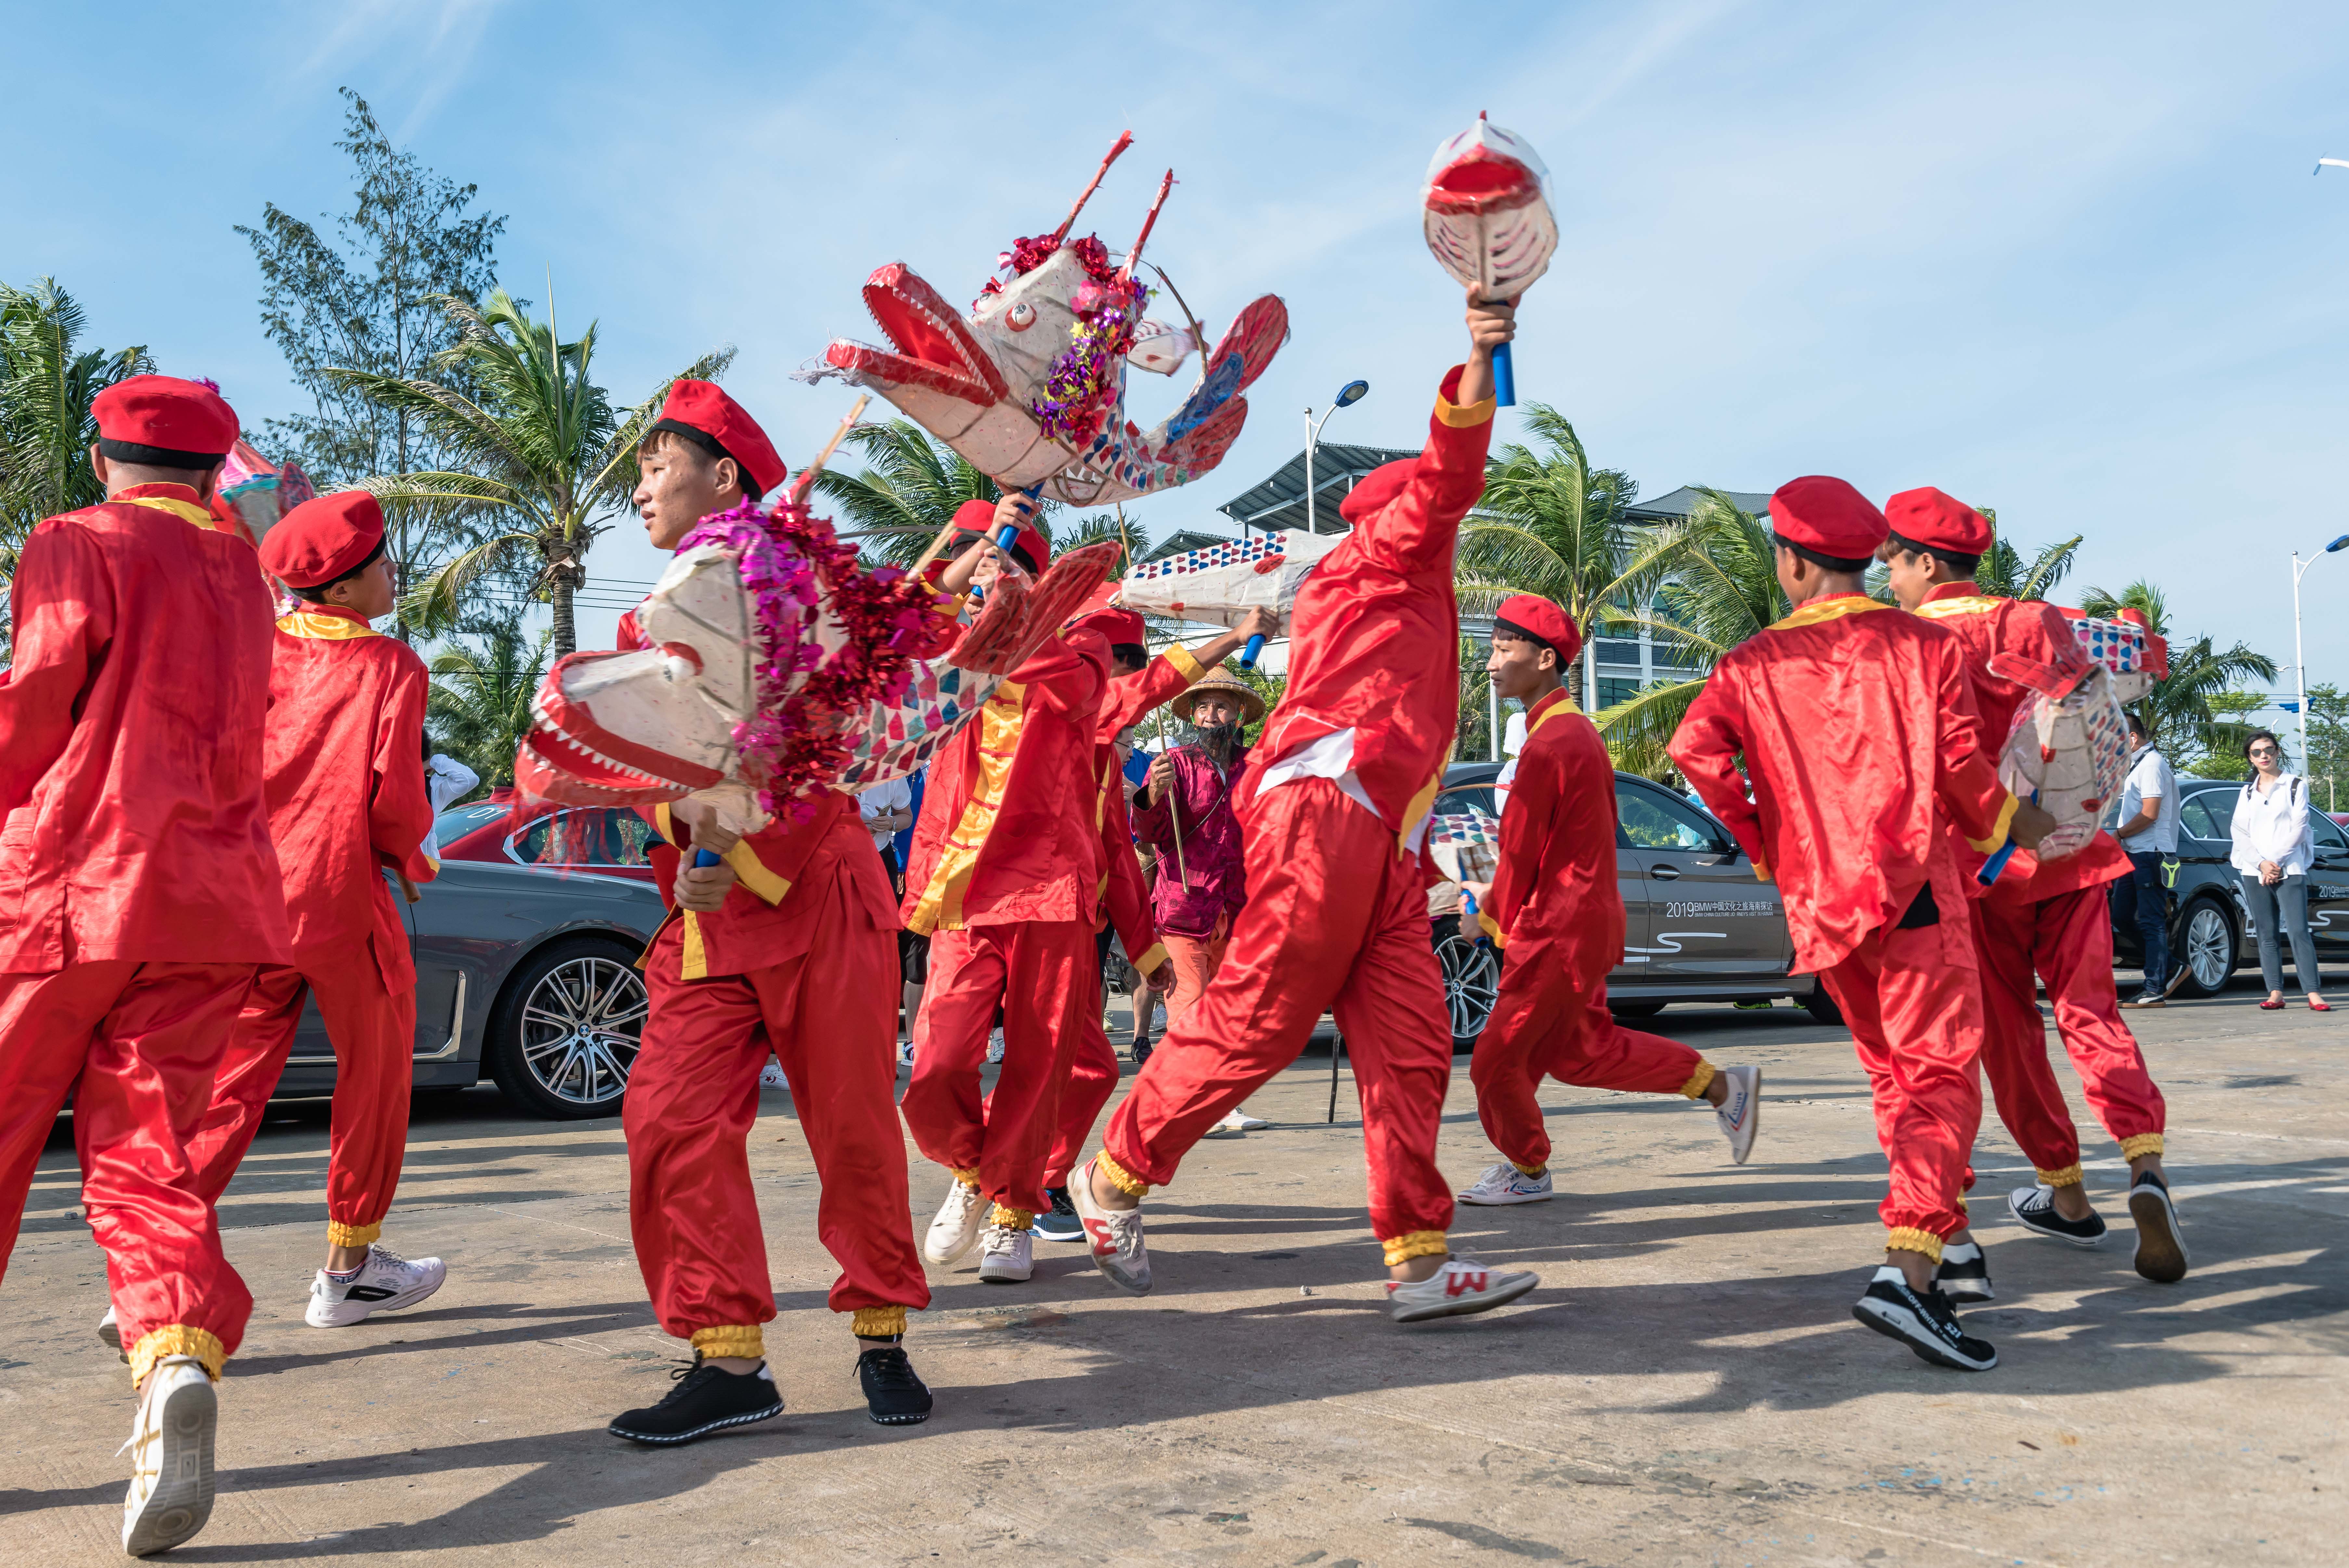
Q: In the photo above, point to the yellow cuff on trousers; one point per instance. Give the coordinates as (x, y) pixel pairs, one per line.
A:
(341, 1235)
(1412, 1244)
(1124, 1180)
(177, 1339)
(966, 1174)
(1964, 1207)
(2070, 1176)
(1011, 1218)
(1699, 1081)
(878, 1322)
(1530, 1171)
(2139, 1145)
(1909, 1238)
(736, 1340)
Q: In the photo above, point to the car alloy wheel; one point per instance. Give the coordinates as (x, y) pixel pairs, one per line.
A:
(2209, 949)
(580, 1028)
(1472, 984)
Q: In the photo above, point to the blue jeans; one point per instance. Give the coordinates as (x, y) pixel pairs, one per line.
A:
(2283, 906)
(2143, 895)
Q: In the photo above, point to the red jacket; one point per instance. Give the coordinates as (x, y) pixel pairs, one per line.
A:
(1125, 897)
(1556, 889)
(131, 743)
(1861, 747)
(1375, 639)
(346, 783)
(1986, 626)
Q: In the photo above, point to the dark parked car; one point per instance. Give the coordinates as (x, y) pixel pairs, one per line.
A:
(2210, 927)
(524, 976)
(1699, 926)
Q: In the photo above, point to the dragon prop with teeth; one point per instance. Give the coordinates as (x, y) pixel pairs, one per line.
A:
(1031, 386)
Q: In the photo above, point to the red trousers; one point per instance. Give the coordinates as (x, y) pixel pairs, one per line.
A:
(373, 1030)
(2066, 941)
(1336, 919)
(1913, 1004)
(830, 1017)
(1196, 962)
(1046, 974)
(1544, 1026)
(136, 1046)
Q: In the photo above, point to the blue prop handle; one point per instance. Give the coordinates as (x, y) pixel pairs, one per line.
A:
(703, 857)
(1247, 655)
(1997, 863)
(1007, 536)
(1468, 906)
(1505, 378)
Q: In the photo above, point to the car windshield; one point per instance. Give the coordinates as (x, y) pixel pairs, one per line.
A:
(459, 820)
(1653, 820)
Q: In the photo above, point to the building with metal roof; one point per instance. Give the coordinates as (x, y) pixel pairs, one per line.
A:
(1278, 502)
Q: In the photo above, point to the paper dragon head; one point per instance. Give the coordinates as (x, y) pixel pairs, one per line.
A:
(254, 493)
(1029, 386)
(2068, 749)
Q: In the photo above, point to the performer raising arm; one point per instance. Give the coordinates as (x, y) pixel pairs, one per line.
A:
(1860, 749)
(1337, 911)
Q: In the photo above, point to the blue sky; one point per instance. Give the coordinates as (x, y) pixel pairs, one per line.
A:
(2068, 262)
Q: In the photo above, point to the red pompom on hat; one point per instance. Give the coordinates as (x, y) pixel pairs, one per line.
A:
(716, 423)
(321, 539)
(162, 422)
(1542, 621)
(1939, 521)
(1375, 488)
(1827, 515)
(1034, 550)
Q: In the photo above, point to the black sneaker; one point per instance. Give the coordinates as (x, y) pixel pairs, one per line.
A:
(704, 1400)
(2147, 998)
(1060, 1222)
(2035, 1207)
(1927, 1324)
(1140, 1052)
(2160, 1239)
(892, 1393)
(1963, 1274)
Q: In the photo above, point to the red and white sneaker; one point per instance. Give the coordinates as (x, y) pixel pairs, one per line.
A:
(1461, 1286)
(1112, 1236)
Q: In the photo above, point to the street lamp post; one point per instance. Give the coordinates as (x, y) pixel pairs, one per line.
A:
(2299, 659)
(1350, 394)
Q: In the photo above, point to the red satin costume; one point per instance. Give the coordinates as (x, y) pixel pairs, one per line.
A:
(1557, 915)
(1337, 912)
(800, 962)
(345, 788)
(138, 887)
(2050, 920)
(1861, 749)
(1005, 876)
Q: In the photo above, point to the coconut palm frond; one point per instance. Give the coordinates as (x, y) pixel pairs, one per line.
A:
(1637, 729)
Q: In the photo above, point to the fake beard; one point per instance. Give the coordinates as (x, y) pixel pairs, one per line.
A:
(1219, 738)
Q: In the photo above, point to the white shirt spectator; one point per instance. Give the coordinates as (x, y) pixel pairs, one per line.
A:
(2150, 778)
(897, 794)
(2274, 827)
(446, 780)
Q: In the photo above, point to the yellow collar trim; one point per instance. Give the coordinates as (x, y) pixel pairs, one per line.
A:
(1967, 604)
(1835, 609)
(324, 628)
(186, 511)
(1565, 704)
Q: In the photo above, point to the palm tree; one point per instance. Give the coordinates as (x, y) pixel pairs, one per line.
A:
(482, 691)
(2179, 709)
(544, 453)
(1723, 587)
(46, 383)
(2003, 573)
(911, 487)
(1551, 524)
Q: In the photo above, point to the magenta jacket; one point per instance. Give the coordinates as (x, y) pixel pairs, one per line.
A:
(1211, 845)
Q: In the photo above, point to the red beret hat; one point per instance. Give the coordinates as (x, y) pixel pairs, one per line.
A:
(978, 517)
(1375, 488)
(716, 423)
(1119, 625)
(1827, 515)
(1939, 521)
(1542, 621)
(163, 422)
(321, 539)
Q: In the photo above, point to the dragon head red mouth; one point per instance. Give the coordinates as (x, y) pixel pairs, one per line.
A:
(935, 349)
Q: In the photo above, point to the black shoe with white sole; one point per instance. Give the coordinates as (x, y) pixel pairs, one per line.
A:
(2160, 1239)
(2035, 1207)
(1926, 1324)
(894, 1395)
(1964, 1273)
(1060, 1222)
(704, 1400)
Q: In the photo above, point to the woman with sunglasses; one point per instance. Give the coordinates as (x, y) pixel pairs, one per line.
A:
(2274, 848)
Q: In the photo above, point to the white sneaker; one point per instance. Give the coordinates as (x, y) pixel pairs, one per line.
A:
(1112, 1236)
(1505, 1183)
(1230, 1127)
(1739, 1113)
(1006, 1257)
(770, 1077)
(384, 1283)
(956, 1225)
(995, 1045)
(1241, 1122)
(1461, 1286)
(905, 1053)
(171, 1450)
(109, 1331)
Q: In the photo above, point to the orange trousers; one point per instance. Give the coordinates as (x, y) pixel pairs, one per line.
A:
(1543, 1025)
(135, 1045)
(1336, 919)
(1046, 976)
(373, 1029)
(1093, 1074)
(830, 1017)
(1913, 1004)
(2066, 941)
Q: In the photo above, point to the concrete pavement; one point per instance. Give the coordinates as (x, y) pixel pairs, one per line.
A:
(1687, 1386)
